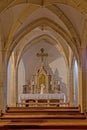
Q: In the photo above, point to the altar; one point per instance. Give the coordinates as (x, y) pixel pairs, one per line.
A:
(42, 88)
(57, 98)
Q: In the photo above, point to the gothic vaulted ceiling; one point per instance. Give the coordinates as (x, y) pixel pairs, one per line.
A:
(62, 23)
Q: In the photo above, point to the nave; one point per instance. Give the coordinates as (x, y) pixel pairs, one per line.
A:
(43, 57)
(43, 118)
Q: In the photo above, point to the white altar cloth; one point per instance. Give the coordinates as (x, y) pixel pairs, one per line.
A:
(41, 96)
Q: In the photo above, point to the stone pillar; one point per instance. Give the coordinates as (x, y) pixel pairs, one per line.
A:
(82, 80)
(2, 81)
(13, 87)
(1, 91)
(82, 88)
(70, 91)
(11, 82)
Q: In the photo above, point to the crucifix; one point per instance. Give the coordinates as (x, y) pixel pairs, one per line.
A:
(42, 54)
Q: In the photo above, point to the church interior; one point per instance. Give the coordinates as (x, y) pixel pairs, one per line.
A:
(43, 64)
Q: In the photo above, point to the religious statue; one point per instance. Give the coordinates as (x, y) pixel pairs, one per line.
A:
(42, 88)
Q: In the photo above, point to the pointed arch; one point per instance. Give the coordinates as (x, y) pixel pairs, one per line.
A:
(54, 27)
(37, 39)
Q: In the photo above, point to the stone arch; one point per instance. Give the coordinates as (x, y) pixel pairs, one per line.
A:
(18, 23)
(52, 8)
(36, 40)
(80, 5)
(41, 37)
(52, 25)
(65, 20)
(47, 38)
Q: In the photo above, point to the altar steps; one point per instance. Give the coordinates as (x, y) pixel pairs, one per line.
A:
(42, 109)
(45, 116)
(16, 113)
(41, 116)
(44, 124)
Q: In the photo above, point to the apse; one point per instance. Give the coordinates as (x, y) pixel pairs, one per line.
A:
(54, 60)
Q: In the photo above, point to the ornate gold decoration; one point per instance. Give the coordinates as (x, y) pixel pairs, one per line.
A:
(42, 80)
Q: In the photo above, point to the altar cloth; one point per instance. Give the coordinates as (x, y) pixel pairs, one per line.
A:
(41, 96)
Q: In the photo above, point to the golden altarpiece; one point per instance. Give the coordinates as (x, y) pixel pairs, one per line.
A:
(43, 80)
(42, 85)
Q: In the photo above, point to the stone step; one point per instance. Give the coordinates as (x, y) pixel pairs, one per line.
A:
(42, 113)
(44, 124)
(42, 116)
(42, 109)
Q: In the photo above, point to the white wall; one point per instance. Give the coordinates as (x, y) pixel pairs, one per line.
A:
(75, 85)
(21, 77)
(58, 67)
(21, 81)
(55, 60)
(9, 83)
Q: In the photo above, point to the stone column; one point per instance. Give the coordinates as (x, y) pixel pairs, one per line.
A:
(70, 89)
(1, 91)
(11, 82)
(82, 79)
(2, 81)
(82, 88)
(13, 87)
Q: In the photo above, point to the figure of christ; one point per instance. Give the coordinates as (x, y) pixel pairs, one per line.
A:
(42, 88)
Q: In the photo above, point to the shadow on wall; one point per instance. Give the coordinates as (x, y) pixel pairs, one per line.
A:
(63, 86)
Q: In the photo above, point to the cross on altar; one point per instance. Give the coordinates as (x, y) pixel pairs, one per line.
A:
(42, 54)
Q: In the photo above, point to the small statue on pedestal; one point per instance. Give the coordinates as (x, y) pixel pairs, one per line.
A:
(42, 89)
